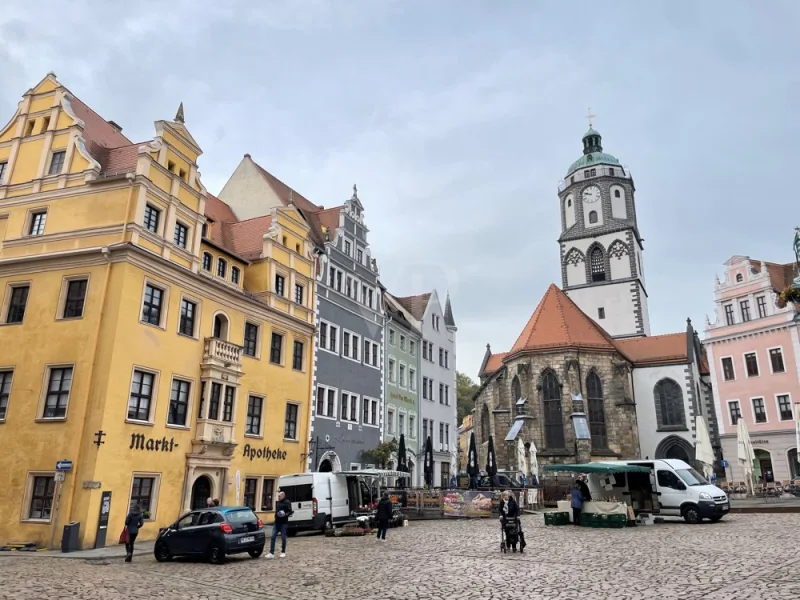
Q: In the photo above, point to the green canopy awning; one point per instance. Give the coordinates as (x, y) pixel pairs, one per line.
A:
(598, 467)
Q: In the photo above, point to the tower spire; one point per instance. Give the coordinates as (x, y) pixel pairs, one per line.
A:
(179, 114)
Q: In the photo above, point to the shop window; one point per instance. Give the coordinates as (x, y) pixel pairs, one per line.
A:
(250, 490)
(43, 490)
(142, 493)
(268, 495)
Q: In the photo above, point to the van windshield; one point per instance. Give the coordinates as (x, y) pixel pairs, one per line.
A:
(691, 477)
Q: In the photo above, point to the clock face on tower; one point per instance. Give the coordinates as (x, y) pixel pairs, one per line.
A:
(591, 194)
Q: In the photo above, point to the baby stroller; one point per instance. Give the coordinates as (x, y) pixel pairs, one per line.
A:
(511, 535)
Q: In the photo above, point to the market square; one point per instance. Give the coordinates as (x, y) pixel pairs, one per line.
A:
(745, 557)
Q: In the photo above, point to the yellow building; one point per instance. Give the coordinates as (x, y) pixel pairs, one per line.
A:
(146, 334)
(463, 441)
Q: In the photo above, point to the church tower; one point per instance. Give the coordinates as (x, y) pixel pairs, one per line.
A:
(601, 249)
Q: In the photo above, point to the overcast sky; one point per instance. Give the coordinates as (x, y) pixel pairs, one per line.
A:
(457, 118)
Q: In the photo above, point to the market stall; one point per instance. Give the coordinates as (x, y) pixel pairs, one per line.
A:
(606, 500)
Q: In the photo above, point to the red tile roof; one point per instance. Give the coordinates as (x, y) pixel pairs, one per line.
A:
(219, 211)
(98, 133)
(494, 364)
(657, 349)
(415, 305)
(285, 193)
(246, 238)
(780, 276)
(118, 160)
(558, 323)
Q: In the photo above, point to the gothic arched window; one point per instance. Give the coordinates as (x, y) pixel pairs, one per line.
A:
(486, 429)
(669, 404)
(516, 389)
(597, 413)
(592, 216)
(598, 265)
(553, 418)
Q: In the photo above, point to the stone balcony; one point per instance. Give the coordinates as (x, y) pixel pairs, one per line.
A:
(224, 352)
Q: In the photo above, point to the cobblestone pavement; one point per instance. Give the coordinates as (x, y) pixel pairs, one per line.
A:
(746, 557)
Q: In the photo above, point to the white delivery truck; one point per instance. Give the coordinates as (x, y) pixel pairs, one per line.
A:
(322, 500)
(671, 488)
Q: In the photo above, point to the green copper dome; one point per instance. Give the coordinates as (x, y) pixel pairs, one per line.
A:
(593, 154)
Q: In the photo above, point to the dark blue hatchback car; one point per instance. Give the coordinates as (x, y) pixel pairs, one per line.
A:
(213, 532)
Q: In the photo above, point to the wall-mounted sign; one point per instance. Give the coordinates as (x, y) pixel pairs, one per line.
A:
(140, 442)
(64, 465)
(263, 453)
(91, 485)
(760, 442)
(402, 398)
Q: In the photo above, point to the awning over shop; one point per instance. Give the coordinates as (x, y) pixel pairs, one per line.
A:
(514, 431)
(599, 467)
(375, 473)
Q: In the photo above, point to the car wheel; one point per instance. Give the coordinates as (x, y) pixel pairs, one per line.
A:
(216, 555)
(256, 553)
(161, 552)
(327, 526)
(691, 514)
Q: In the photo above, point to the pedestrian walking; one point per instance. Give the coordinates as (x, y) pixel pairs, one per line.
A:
(577, 503)
(133, 522)
(383, 516)
(283, 510)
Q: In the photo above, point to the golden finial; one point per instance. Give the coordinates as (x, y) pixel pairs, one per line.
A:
(590, 116)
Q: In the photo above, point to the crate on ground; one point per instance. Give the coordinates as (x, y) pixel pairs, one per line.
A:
(562, 518)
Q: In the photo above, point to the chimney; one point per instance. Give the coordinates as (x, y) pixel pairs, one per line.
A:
(115, 126)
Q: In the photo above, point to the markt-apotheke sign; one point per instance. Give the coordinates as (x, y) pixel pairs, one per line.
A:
(140, 442)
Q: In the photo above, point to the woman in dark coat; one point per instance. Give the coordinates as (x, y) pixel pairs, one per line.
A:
(134, 521)
(383, 516)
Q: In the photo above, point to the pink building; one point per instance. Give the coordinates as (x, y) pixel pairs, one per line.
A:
(753, 352)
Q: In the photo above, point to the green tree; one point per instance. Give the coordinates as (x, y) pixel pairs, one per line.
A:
(465, 390)
(381, 454)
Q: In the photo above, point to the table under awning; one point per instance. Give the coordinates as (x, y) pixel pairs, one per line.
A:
(599, 468)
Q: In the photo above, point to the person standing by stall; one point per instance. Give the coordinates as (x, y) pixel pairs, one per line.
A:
(577, 503)
(383, 516)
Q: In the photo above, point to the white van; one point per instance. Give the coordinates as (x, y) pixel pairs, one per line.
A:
(672, 488)
(322, 500)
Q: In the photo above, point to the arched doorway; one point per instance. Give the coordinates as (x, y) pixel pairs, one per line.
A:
(201, 492)
(221, 326)
(325, 466)
(762, 466)
(676, 448)
(794, 464)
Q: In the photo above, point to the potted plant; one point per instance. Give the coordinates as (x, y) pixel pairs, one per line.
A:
(790, 294)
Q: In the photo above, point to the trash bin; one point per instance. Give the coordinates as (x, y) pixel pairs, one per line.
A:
(70, 540)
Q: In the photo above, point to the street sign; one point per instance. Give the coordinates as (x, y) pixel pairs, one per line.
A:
(64, 465)
(59, 476)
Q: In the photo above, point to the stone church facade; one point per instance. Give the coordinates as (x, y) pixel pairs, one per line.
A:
(585, 380)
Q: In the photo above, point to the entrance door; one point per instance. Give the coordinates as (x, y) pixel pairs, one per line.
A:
(325, 466)
(764, 472)
(201, 492)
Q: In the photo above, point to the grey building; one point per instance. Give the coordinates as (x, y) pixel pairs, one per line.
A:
(348, 413)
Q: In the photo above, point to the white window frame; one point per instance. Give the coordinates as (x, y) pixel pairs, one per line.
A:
(259, 339)
(9, 292)
(28, 496)
(153, 399)
(777, 406)
(402, 382)
(733, 364)
(328, 389)
(188, 237)
(154, 493)
(62, 296)
(160, 221)
(401, 430)
(350, 397)
(412, 347)
(364, 400)
(326, 348)
(744, 363)
(391, 366)
(366, 359)
(347, 247)
(753, 410)
(353, 336)
(402, 342)
(198, 306)
(363, 254)
(783, 359)
(390, 425)
(412, 429)
(392, 336)
(728, 406)
(412, 379)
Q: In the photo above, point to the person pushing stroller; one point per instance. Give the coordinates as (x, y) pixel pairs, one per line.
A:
(510, 526)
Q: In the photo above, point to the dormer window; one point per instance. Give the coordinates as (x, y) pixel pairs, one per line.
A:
(739, 278)
(222, 267)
